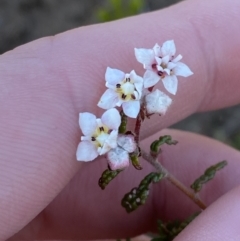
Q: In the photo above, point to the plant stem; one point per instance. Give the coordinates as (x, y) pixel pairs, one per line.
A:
(186, 190)
(154, 162)
(137, 128)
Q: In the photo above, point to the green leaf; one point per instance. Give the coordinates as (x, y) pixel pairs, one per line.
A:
(169, 230)
(123, 126)
(167, 139)
(138, 196)
(107, 177)
(135, 161)
(207, 176)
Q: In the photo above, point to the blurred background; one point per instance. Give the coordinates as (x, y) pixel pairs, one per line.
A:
(22, 21)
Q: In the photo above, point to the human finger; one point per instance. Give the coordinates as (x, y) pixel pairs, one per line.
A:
(47, 82)
(219, 221)
(84, 211)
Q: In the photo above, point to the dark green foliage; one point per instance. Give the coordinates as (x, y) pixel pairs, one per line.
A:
(117, 9)
(207, 176)
(155, 146)
(168, 231)
(138, 196)
(107, 177)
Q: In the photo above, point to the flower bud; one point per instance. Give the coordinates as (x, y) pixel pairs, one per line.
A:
(118, 158)
(157, 102)
(127, 142)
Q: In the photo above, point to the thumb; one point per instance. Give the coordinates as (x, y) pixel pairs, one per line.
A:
(220, 221)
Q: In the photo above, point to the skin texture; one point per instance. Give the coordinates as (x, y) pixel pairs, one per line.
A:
(46, 194)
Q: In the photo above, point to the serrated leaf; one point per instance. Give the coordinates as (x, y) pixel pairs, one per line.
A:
(167, 139)
(107, 177)
(138, 196)
(207, 176)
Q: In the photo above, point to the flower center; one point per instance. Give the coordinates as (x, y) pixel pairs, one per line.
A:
(101, 135)
(164, 66)
(102, 138)
(126, 90)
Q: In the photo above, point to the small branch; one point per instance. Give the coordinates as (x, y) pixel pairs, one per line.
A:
(186, 190)
(153, 161)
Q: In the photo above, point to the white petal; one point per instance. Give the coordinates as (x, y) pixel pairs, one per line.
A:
(137, 95)
(99, 122)
(119, 103)
(107, 141)
(157, 102)
(166, 59)
(118, 158)
(139, 88)
(144, 56)
(127, 142)
(108, 100)
(157, 50)
(106, 148)
(114, 76)
(136, 78)
(112, 139)
(171, 65)
(167, 71)
(110, 86)
(150, 78)
(159, 68)
(111, 118)
(110, 143)
(158, 60)
(127, 75)
(170, 83)
(87, 123)
(145, 66)
(86, 151)
(131, 108)
(86, 138)
(182, 70)
(179, 57)
(168, 48)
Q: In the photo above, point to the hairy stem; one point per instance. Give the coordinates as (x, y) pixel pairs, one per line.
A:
(153, 161)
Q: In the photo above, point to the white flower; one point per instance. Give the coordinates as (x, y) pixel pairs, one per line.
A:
(123, 90)
(118, 158)
(160, 63)
(157, 102)
(100, 135)
(127, 142)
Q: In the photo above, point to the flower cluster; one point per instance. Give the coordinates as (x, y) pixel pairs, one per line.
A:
(161, 63)
(135, 95)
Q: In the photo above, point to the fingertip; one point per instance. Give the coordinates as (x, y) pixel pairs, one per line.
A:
(220, 221)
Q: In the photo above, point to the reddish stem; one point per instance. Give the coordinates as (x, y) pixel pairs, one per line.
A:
(137, 128)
